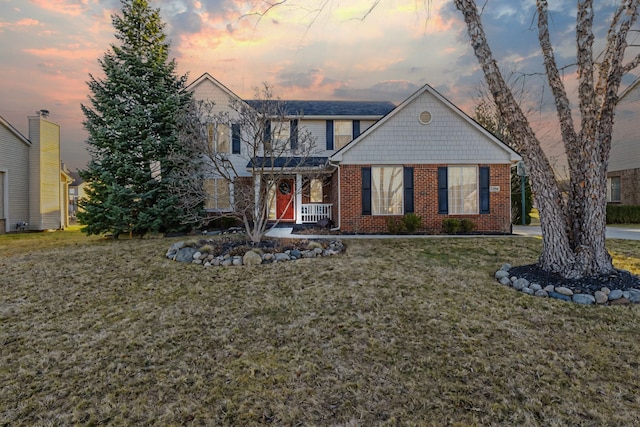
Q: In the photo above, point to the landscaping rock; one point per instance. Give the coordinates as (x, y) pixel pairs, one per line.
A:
(252, 258)
(587, 291)
(282, 257)
(185, 254)
(535, 287)
(505, 281)
(559, 296)
(601, 297)
(564, 291)
(520, 284)
(634, 296)
(500, 274)
(314, 245)
(615, 294)
(585, 299)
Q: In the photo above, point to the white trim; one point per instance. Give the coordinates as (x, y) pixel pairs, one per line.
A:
(298, 206)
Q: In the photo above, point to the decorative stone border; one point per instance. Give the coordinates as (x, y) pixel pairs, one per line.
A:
(604, 296)
(184, 252)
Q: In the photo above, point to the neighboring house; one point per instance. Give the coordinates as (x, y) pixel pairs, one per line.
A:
(33, 187)
(623, 173)
(76, 192)
(374, 161)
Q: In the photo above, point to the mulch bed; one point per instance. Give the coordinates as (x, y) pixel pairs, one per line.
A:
(620, 279)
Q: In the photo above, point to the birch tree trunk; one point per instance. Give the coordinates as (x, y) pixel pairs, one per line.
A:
(573, 231)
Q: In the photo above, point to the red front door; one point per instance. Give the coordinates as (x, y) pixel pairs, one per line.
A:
(284, 200)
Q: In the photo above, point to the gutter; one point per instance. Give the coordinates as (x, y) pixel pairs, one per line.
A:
(337, 166)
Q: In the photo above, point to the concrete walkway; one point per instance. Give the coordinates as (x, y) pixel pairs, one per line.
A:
(614, 232)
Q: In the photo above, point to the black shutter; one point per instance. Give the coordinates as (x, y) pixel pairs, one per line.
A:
(356, 129)
(408, 190)
(366, 191)
(329, 134)
(235, 138)
(485, 206)
(294, 134)
(443, 191)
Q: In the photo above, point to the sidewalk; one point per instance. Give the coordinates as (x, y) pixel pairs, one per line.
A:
(613, 232)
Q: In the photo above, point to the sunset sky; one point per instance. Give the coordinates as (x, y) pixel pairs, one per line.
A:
(306, 49)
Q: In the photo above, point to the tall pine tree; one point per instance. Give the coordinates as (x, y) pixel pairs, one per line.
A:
(133, 129)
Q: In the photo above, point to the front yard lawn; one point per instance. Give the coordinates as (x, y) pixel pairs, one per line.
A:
(393, 332)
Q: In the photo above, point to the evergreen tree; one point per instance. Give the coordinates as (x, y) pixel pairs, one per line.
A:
(133, 128)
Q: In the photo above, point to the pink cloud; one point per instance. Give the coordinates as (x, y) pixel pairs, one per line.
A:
(23, 23)
(57, 53)
(65, 7)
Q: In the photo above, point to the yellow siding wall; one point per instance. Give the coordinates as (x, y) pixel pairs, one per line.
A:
(45, 179)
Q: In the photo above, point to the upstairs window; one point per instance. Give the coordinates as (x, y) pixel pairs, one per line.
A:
(342, 133)
(219, 138)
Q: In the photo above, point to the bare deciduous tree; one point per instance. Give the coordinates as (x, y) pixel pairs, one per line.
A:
(236, 159)
(573, 231)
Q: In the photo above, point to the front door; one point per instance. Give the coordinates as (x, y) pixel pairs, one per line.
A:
(284, 200)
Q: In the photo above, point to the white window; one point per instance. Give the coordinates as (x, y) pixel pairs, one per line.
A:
(218, 195)
(342, 133)
(386, 190)
(463, 189)
(280, 133)
(613, 189)
(219, 138)
(315, 190)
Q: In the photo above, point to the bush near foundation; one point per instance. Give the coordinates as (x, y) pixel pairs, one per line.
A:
(619, 214)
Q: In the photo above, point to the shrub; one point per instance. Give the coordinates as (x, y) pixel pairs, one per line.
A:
(620, 214)
(411, 222)
(450, 225)
(394, 225)
(467, 226)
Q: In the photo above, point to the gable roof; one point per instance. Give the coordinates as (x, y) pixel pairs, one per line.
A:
(207, 76)
(328, 109)
(513, 155)
(14, 131)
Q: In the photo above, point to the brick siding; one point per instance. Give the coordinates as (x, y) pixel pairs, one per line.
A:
(425, 202)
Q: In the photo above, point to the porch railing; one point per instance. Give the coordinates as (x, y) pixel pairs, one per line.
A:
(314, 212)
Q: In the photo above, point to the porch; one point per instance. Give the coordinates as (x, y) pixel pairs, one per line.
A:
(314, 212)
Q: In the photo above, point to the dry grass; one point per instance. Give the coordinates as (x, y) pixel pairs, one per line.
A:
(395, 332)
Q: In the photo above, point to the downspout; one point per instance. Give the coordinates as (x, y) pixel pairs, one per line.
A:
(339, 203)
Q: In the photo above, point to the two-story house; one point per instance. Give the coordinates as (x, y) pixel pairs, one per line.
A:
(375, 160)
(33, 186)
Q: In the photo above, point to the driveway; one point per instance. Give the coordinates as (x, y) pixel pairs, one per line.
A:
(627, 232)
